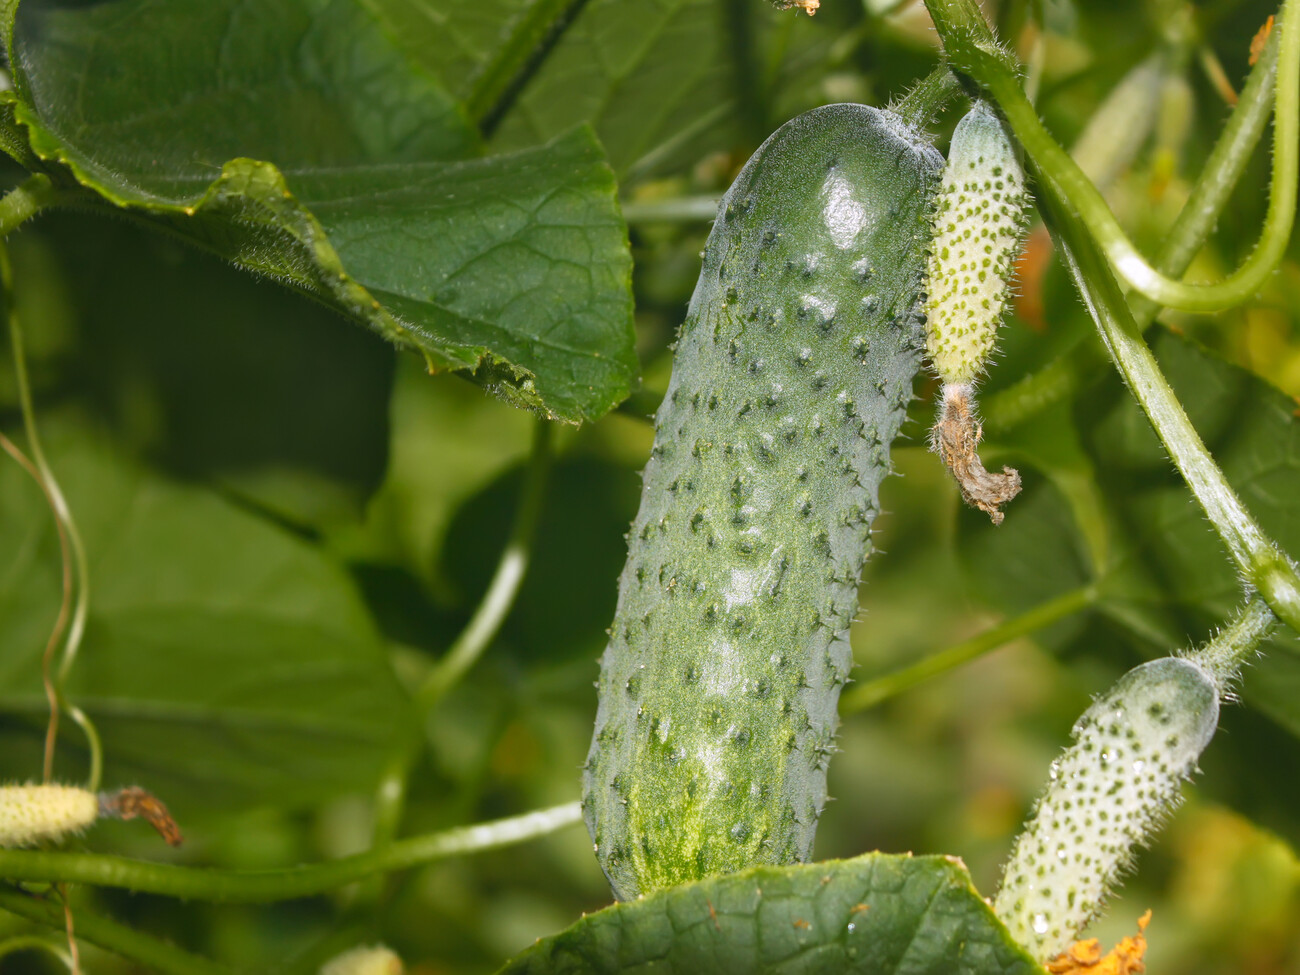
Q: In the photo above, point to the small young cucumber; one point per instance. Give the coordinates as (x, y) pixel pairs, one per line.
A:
(1107, 795)
(718, 690)
(979, 221)
(34, 814)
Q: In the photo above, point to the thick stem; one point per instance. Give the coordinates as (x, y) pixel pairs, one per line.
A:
(973, 51)
(1260, 562)
(274, 885)
(872, 692)
(1060, 379)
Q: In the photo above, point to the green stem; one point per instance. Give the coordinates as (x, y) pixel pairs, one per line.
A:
(927, 97)
(498, 83)
(141, 948)
(390, 798)
(1060, 379)
(1236, 643)
(251, 886)
(746, 80)
(500, 596)
(872, 692)
(1260, 562)
(973, 51)
(26, 200)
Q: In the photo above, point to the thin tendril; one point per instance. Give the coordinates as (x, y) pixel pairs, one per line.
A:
(76, 591)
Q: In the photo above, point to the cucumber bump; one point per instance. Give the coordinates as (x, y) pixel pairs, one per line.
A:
(718, 689)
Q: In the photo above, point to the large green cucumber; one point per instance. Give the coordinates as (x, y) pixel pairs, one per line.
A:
(718, 689)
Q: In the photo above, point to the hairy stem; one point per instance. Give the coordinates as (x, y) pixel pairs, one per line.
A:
(1234, 645)
(251, 886)
(1260, 562)
(870, 693)
(1060, 379)
(970, 45)
(26, 200)
(927, 97)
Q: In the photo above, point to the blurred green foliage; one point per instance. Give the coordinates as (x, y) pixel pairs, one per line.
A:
(288, 522)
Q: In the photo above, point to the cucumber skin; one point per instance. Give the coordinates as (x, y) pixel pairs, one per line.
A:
(718, 689)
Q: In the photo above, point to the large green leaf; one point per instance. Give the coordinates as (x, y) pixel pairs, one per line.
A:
(663, 82)
(295, 139)
(876, 914)
(226, 662)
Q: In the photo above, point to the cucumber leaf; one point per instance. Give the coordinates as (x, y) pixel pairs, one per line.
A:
(294, 139)
(650, 77)
(877, 914)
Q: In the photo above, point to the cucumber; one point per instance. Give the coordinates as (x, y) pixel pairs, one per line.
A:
(1107, 796)
(979, 223)
(718, 689)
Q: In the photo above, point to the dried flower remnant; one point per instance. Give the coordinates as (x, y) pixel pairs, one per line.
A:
(979, 222)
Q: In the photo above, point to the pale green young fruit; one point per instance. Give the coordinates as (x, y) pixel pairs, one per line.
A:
(979, 220)
(32, 814)
(1107, 795)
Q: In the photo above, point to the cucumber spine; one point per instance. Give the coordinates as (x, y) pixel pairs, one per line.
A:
(718, 689)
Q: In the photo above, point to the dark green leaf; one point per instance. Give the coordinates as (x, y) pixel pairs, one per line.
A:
(294, 139)
(643, 74)
(225, 662)
(877, 914)
(206, 371)
(299, 83)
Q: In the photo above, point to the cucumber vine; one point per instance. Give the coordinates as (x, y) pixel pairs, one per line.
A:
(720, 689)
